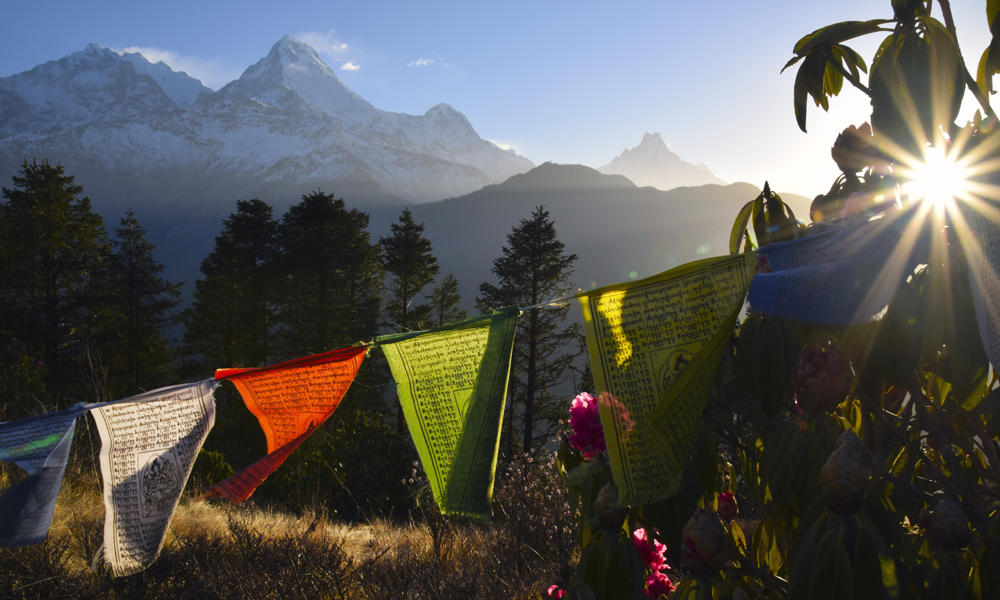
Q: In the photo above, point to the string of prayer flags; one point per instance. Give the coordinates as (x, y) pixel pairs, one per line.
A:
(149, 444)
(39, 445)
(655, 347)
(290, 399)
(845, 275)
(452, 383)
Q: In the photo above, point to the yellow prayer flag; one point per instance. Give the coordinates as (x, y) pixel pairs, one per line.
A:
(656, 345)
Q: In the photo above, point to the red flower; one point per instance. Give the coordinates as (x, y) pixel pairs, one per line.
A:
(585, 420)
(658, 584)
(555, 593)
(653, 553)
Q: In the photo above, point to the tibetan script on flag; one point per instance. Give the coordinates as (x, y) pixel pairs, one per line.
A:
(290, 400)
(149, 444)
(655, 345)
(452, 383)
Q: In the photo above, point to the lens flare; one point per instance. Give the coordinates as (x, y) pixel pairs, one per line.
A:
(937, 180)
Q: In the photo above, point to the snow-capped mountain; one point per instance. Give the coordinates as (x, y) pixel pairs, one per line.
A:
(287, 125)
(651, 163)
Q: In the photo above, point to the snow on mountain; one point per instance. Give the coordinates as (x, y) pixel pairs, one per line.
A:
(651, 163)
(287, 123)
(179, 87)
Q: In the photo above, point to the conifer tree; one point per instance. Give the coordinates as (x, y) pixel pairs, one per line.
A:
(444, 301)
(51, 245)
(136, 352)
(534, 268)
(232, 321)
(331, 276)
(411, 267)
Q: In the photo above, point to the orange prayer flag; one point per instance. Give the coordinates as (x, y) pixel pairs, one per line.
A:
(291, 400)
(290, 397)
(240, 486)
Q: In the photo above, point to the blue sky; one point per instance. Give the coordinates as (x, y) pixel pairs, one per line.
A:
(569, 82)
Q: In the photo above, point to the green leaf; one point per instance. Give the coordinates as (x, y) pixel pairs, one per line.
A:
(594, 561)
(837, 33)
(624, 576)
(740, 228)
(581, 591)
(799, 95)
(833, 80)
(988, 404)
(791, 62)
(984, 81)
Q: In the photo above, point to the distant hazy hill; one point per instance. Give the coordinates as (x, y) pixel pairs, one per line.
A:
(616, 228)
(652, 163)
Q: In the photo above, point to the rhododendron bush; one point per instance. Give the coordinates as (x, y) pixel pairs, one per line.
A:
(840, 457)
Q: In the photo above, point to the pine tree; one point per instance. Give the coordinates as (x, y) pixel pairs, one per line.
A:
(411, 267)
(533, 269)
(232, 321)
(444, 301)
(136, 352)
(331, 276)
(51, 245)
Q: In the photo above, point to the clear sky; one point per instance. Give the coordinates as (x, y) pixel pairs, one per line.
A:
(569, 82)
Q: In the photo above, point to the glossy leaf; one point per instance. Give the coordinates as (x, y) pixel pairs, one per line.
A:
(835, 34)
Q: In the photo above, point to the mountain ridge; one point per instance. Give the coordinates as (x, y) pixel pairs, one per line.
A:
(286, 123)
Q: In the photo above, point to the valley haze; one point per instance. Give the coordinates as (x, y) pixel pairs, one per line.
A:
(140, 136)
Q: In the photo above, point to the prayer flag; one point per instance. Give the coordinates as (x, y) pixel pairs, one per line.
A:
(656, 345)
(847, 274)
(39, 445)
(291, 400)
(984, 261)
(149, 444)
(452, 382)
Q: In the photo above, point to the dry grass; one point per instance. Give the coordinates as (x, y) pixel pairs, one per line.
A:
(216, 550)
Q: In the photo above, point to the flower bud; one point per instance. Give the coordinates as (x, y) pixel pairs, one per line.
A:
(610, 516)
(821, 380)
(949, 526)
(727, 507)
(853, 150)
(844, 475)
(703, 549)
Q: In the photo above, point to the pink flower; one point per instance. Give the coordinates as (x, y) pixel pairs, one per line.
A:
(555, 593)
(585, 420)
(658, 584)
(651, 551)
(620, 411)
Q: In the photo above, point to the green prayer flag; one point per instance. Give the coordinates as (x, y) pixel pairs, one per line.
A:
(452, 382)
(655, 348)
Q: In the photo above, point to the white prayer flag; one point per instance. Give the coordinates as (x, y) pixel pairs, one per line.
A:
(150, 443)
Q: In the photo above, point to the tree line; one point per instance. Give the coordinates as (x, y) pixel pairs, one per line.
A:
(84, 313)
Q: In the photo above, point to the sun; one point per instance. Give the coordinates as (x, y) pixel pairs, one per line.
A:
(938, 179)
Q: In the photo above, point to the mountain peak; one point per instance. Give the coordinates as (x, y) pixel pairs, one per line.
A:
(293, 77)
(295, 50)
(652, 139)
(651, 163)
